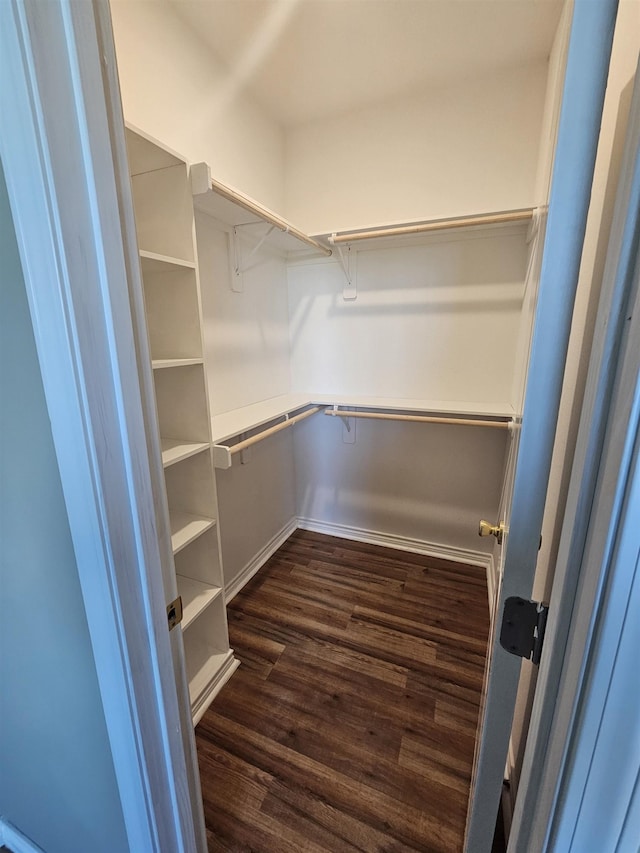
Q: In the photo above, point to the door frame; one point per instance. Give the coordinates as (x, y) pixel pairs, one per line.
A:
(64, 163)
(593, 521)
(586, 73)
(67, 178)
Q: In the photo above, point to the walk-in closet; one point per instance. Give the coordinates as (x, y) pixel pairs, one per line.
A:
(340, 210)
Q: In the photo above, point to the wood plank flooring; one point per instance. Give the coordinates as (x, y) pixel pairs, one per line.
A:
(351, 721)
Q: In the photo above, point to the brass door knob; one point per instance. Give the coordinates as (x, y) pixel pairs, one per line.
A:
(486, 529)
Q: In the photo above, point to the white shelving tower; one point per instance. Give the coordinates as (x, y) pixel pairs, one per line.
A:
(168, 256)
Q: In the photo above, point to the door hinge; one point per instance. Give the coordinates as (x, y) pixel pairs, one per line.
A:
(523, 626)
(174, 612)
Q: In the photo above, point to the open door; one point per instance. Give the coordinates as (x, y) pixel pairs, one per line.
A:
(529, 462)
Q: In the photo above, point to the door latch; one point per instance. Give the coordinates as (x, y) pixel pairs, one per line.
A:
(174, 612)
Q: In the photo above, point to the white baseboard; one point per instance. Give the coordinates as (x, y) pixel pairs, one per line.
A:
(15, 840)
(400, 543)
(371, 537)
(254, 565)
(213, 688)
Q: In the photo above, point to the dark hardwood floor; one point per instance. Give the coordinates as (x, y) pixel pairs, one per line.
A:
(351, 721)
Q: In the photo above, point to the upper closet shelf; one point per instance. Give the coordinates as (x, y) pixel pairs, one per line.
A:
(504, 217)
(238, 421)
(425, 407)
(236, 209)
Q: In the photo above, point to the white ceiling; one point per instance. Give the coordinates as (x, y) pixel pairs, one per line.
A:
(308, 59)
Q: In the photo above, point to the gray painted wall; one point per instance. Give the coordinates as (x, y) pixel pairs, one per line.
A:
(57, 781)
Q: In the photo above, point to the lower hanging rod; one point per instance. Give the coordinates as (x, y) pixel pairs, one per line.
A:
(420, 419)
(242, 445)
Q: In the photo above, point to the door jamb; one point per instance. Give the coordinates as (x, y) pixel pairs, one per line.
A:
(75, 245)
(578, 588)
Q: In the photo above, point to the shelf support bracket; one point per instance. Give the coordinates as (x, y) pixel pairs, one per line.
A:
(256, 248)
(345, 420)
(348, 268)
(237, 282)
(238, 267)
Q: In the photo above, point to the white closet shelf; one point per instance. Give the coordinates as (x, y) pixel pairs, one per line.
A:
(238, 421)
(196, 597)
(425, 407)
(175, 449)
(146, 154)
(234, 208)
(152, 262)
(162, 363)
(185, 528)
(300, 406)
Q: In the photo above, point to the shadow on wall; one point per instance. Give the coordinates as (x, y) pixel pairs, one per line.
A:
(434, 492)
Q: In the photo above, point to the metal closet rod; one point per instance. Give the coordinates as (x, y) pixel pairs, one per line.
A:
(265, 214)
(523, 215)
(421, 419)
(242, 445)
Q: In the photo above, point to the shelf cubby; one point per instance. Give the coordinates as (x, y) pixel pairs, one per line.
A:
(200, 561)
(186, 527)
(196, 597)
(173, 317)
(210, 662)
(164, 212)
(181, 399)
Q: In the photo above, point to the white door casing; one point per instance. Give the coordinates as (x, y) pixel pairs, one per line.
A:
(589, 536)
(67, 178)
(583, 98)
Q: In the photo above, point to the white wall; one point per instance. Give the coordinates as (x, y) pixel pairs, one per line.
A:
(467, 148)
(246, 335)
(256, 502)
(414, 483)
(247, 358)
(435, 320)
(174, 89)
(57, 780)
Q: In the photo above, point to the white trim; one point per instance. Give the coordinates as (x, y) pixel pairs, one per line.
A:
(575, 154)
(400, 543)
(223, 675)
(577, 584)
(359, 534)
(256, 563)
(73, 215)
(15, 840)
